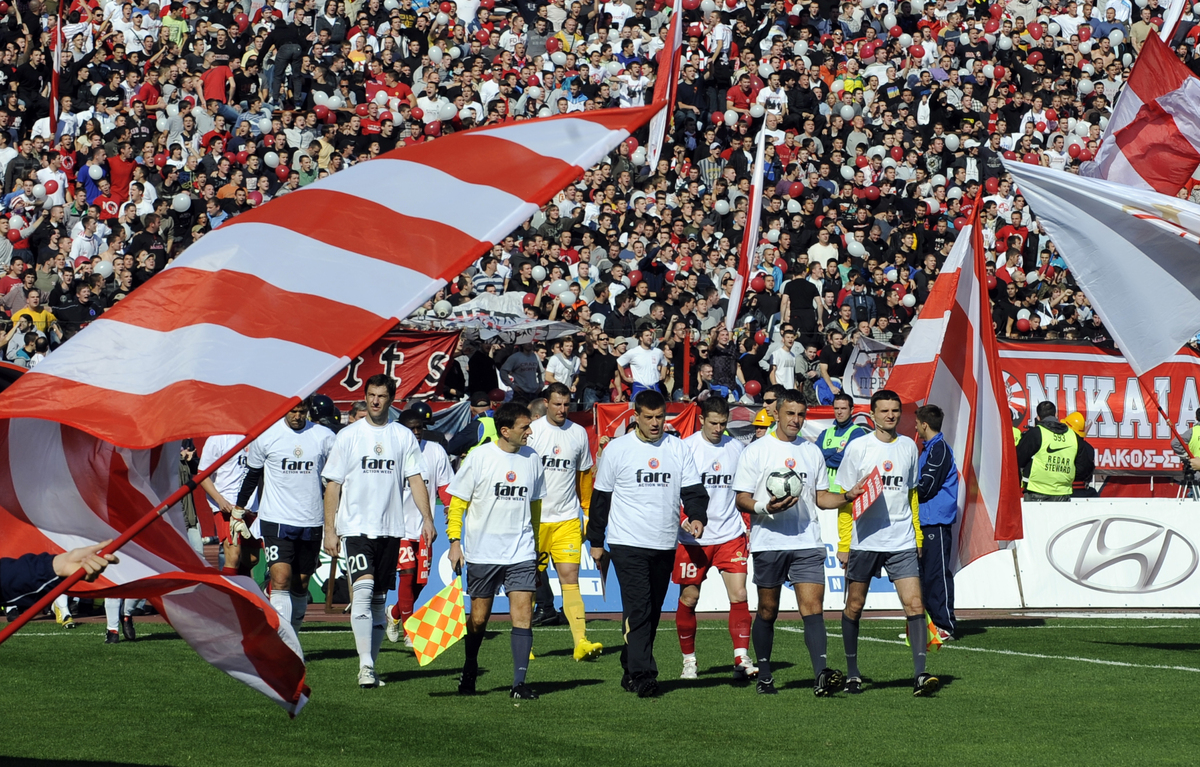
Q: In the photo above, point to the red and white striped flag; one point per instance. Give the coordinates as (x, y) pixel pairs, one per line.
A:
(665, 86)
(950, 360)
(749, 237)
(1153, 137)
(61, 489)
(275, 302)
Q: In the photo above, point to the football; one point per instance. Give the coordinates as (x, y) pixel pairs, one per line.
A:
(781, 484)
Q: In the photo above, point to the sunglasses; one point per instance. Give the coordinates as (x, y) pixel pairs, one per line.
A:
(768, 402)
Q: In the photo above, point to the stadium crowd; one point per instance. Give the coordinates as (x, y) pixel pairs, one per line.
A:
(885, 124)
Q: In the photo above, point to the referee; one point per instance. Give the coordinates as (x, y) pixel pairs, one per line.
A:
(641, 479)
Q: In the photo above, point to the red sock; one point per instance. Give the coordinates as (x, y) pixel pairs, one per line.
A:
(739, 624)
(405, 595)
(685, 626)
(229, 571)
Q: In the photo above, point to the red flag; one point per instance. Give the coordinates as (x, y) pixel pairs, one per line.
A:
(749, 237)
(61, 489)
(665, 86)
(950, 360)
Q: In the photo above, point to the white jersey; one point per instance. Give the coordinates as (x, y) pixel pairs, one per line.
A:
(371, 463)
(798, 527)
(228, 477)
(784, 362)
(645, 479)
(291, 462)
(717, 465)
(887, 524)
(564, 452)
(438, 476)
(498, 487)
(644, 364)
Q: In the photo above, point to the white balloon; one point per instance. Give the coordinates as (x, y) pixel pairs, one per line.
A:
(1071, 123)
(722, 207)
(538, 273)
(435, 54)
(320, 98)
(757, 111)
(455, 52)
(613, 67)
(336, 101)
(1023, 314)
(265, 125)
(96, 172)
(847, 112)
(172, 110)
(162, 124)
(442, 308)
(271, 160)
(764, 71)
(1103, 123)
(856, 248)
(559, 58)
(441, 19)
(1004, 43)
(104, 269)
(838, 86)
(938, 180)
(181, 202)
(447, 111)
(538, 219)
(543, 112)
(905, 40)
(1088, 69)
(708, 6)
(1053, 28)
(39, 192)
(96, 88)
(381, 98)
(1032, 277)
(954, 194)
(566, 298)
(909, 300)
(1082, 127)
(990, 39)
(964, 39)
(1085, 46)
(533, 92)
(988, 71)
(731, 117)
(1127, 59)
(558, 286)
(889, 21)
(772, 235)
(847, 172)
(1085, 86)
(952, 142)
(639, 156)
(801, 48)
(391, 5)
(1116, 37)
(793, 207)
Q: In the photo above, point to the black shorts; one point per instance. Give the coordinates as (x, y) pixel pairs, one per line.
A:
(376, 557)
(862, 566)
(773, 568)
(484, 581)
(289, 545)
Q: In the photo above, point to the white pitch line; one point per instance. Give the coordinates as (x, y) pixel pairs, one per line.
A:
(1075, 658)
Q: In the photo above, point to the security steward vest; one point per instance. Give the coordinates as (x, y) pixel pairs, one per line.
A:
(1053, 467)
(1194, 442)
(832, 441)
(489, 431)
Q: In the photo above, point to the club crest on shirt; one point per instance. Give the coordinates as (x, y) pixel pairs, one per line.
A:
(511, 476)
(378, 448)
(887, 465)
(298, 452)
(790, 463)
(653, 463)
(557, 449)
(716, 466)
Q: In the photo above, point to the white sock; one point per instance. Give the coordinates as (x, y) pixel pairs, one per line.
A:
(63, 603)
(299, 607)
(282, 602)
(360, 619)
(378, 622)
(112, 613)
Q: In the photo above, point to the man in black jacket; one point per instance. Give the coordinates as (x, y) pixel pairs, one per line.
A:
(24, 579)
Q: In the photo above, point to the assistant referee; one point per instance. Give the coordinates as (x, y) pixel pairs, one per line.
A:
(641, 479)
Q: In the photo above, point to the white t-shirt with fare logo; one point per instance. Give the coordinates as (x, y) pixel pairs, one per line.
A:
(498, 487)
(645, 479)
(887, 524)
(372, 464)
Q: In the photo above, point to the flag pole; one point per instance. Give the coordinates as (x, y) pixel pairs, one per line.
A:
(1158, 408)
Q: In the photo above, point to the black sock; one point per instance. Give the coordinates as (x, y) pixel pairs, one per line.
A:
(816, 641)
(522, 645)
(916, 639)
(850, 642)
(762, 633)
(473, 643)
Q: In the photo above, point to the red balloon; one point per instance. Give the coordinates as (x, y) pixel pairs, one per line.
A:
(916, 51)
(418, 113)
(995, 10)
(489, 4)
(872, 193)
(998, 73)
(160, 160)
(758, 284)
(753, 387)
(1030, 158)
(321, 111)
(1022, 326)
(897, 153)
(1086, 156)
(362, 110)
(634, 277)
(528, 299)
(795, 189)
(242, 157)
(959, 223)
(483, 37)
(231, 157)
(242, 21)
(685, 264)
(895, 31)
(1041, 127)
(731, 3)
(1010, 155)
(1085, 33)
(820, 221)
(992, 26)
(992, 185)
(14, 235)
(51, 186)
(632, 143)
(991, 282)
(496, 395)
(446, 7)
(1051, 115)
(1035, 30)
(862, 161)
(282, 172)
(1035, 57)
(434, 128)
(718, 118)
(553, 45)
(385, 115)
(1157, 21)
(691, 5)
(760, 337)
(781, 264)
(1074, 150)
(331, 118)
(670, 276)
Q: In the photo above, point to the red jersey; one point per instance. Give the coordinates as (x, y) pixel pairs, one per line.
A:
(109, 206)
(214, 82)
(120, 173)
(740, 99)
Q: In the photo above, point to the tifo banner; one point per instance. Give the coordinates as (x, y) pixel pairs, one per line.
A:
(501, 317)
(868, 368)
(1125, 429)
(1111, 553)
(415, 359)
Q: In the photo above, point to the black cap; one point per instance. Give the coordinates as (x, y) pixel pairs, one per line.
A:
(480, 399)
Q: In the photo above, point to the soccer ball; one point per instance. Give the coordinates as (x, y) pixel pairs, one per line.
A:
(781, 484)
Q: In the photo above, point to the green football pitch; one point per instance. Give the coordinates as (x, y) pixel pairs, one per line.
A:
(1088, 691)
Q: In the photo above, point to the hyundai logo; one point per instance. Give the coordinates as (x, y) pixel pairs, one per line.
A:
(1139, 556)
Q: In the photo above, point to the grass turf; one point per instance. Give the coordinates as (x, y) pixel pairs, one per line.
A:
(70, 699)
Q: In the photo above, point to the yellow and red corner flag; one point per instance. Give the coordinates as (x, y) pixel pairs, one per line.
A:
(439, 624)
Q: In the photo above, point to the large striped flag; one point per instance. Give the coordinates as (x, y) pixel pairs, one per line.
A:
(749, 237)
(665, 86)
(950, 360)
(1133, 252)
(252, 318)
(1153, 137)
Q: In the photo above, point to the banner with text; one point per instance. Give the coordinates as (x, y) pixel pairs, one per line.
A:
(415, 359)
